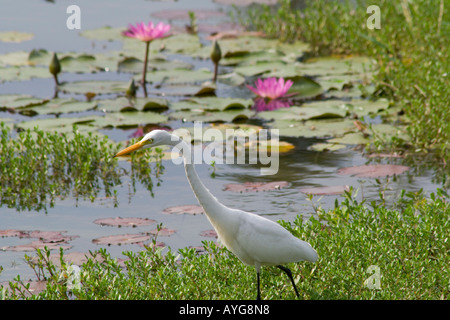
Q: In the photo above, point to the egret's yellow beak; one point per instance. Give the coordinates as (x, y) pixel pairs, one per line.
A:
(130, 149)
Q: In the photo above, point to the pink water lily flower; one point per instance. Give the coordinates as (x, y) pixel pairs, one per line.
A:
(271, 87)
(148, 32)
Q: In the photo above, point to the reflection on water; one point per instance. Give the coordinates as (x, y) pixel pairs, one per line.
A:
(262, 104)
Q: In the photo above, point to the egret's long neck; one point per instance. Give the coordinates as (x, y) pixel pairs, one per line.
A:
(209, 203)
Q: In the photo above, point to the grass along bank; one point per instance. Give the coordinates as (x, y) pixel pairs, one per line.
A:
(406, 246)
(410, 50)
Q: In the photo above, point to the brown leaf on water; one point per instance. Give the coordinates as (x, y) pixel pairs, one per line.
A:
(330, 190)
(209, 234)
(374, 170)
(255, 186)
(162, 232)
(121, 239)
(124, 222)
(10, 233)
(189, 209)
(37, 244)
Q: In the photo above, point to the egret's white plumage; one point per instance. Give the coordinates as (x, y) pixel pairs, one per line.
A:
(255, 240)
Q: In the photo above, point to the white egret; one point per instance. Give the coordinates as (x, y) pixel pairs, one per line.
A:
(255, 240)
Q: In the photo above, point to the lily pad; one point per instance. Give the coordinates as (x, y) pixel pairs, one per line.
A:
(122, 104)
(351, 138)
(179, 76)
(165, 232)
(255, 186)
(276, 68)
(128, 119)
(326, 147)
(18, 73)
(121, 239)
(61, 125)
(37, 244)
(97, 87)
(104, 33)
(61, 105)
(235, 116)
(231, 79)
(314, 128)
(184, 14)
(209, 234)
(212, 104)
(308, 111)
(244, 3)
(135, 65)
(374, 170)
(304, 87)
(124, 222)
(16, 101)
(189, 209)
(15, 36)
(329, 190)
(325, 66)
(15, 58)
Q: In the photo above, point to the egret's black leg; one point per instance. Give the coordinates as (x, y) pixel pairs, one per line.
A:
(258, 297)
(289, 273)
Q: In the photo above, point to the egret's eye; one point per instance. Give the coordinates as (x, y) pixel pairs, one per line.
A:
(149, 141)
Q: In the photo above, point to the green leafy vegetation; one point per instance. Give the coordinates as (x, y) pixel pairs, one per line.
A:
(409, 244)
(39, 167)
(410, 50)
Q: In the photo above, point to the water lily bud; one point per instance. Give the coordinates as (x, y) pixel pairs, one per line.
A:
(216, 53)
(131, 91)
(55, 66)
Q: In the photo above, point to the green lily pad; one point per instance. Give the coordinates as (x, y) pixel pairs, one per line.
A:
(128, 119)
(180, 44)
(60, 125)
(17, 73)
(15, 36)
(231, 79)
(97, 87)
(179, 76)
(39, 57)
(62, 105)
(351, 138)
(252, 58)
(326, 147)
(15, 101)
(308, 111)
(135, 65)
(265, 67)
(362, 107)
(326, 66)
(235, 116)
(304, 87)
(122, 104)
(313, 128)
(104, 33)
(16, 58)
(211, 104)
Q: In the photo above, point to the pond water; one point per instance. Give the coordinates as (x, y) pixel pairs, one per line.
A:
(300, 167)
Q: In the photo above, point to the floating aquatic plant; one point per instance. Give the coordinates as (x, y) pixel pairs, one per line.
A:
(147, 33)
